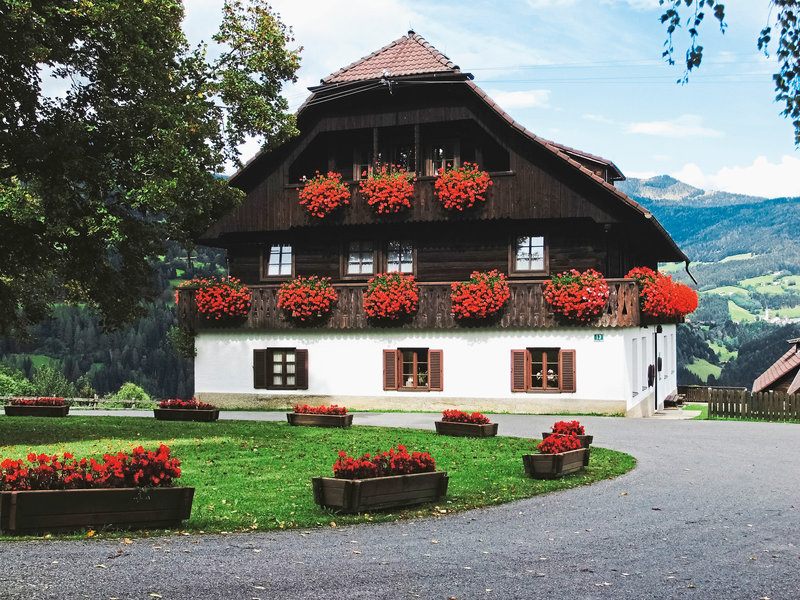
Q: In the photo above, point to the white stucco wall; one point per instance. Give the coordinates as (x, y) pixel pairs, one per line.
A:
(476, 366)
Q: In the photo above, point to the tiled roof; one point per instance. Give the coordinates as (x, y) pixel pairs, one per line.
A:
(410, 55)
(782, 367)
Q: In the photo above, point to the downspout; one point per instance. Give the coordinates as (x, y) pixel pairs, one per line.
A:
(686, 266)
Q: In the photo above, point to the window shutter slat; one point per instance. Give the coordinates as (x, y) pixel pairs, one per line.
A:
(567, 369)
(260, 369)
(301, 369)
(519, 380)
(435, 378)
(390, 369)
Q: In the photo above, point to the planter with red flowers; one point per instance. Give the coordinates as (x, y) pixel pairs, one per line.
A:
(307, 299)
(388, 190)
(320, 416)
(481, 297)
(384, 480)
(461, 424)
(575, 296)
(220, 300)
(462, 187)
(391, 297)
(660, 297)
(186, 410)
(36, 407)
(46, 493)
(570, 428)
(558, 455)
(324, 194)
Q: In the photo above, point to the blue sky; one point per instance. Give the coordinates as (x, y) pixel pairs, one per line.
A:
(585, 73)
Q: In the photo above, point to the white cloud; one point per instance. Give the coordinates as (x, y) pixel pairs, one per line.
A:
(762, 178)
(599, 119)
(521, 99)
(680, 127)
(661, 157)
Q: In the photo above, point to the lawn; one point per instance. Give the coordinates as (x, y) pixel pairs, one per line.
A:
(722, 351)
(702, 368)
(257, 475)
(757, 281)
(739, 314)
(727, 290)
(702, 407)
(790, 312)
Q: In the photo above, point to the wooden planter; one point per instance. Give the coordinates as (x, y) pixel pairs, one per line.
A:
(41, 510)
(466, 429)
(36, 411)
(586, 440)
(553, 466)
(359, 495)
(317, 420)
(186, 414)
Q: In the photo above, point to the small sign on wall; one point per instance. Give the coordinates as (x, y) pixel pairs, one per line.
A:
(598, 337)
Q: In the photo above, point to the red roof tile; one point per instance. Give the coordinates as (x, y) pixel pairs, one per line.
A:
(783, 366)
(410, 55)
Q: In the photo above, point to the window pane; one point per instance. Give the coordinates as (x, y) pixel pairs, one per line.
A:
(290, 368)
(530, 253)
(290, 380)
(277, 380)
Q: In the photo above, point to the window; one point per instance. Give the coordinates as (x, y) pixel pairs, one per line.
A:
(280, 369)
(643, 384)
(278, 261)
(412, 369)
(400, 257)
(543, 370)
(362, 163)
(442, 155)
(361, 258)
(529, 254)
(635, 365)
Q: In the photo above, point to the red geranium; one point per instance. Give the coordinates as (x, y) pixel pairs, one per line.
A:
(388, 190)
(217, 299)
(660, 296)
(320, 410)
(323, 194)
(457, 416)
(383, 464)
(483, 295)
(461, 188)
(567, 428)
(192, 404)
(391, 296)
(577, 296)
(307, 298)
(556, 443)
(37, 402)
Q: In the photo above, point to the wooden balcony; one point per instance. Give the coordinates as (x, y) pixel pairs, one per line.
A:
(525, 309)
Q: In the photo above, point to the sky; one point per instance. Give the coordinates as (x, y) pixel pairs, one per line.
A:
(584, 73)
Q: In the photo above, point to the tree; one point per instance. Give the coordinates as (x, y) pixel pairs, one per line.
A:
(786, 21)
(95, 177)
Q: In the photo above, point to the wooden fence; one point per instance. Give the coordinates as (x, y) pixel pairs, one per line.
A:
(702, 393)
(763, 406)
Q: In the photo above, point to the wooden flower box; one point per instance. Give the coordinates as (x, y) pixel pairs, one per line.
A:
(359, 495)
(553, 466)
(36, 411)
(586, 440)
(186, 414)
(40, 510)
(319, 420)
(466, 429)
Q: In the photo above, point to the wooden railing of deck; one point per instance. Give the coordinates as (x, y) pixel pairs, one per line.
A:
(525, 309)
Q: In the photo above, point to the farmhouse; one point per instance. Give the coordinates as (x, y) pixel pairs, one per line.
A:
(550, 209)
(784, 374)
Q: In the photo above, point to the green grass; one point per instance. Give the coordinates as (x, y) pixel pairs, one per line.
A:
(757, 281)
(722, 351)
(739, 314)
(727, 290)
(703, 408)
(791, 312)
(733, 257)
(702, 368)
(257, 476)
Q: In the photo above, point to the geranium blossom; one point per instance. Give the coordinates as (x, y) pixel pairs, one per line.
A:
(383, 464)
(391, 296)
(463, 187)
(483, 295)
(192, 404)
(388, 190)
(217, 299)
(307, 298)
(457, 416)
(323, 194)
(556, 443)
(320, 410)
(577, 296)
(37, 402)
(568, 427)
(660, 296)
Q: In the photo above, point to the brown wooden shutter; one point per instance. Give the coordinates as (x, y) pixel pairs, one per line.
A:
(520, 369)
(260, 358)
(390, 369)
(301, 369)
(435, 379)
(567, 370)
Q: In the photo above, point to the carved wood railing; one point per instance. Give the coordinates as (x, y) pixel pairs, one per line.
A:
(525, 309)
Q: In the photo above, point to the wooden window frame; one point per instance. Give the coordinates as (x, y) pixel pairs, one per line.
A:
(345, 261)
(385, 257)
(512, 257)
(456, 145)
(266, 251)
(263, 361)
(393, 370)
(522, 372)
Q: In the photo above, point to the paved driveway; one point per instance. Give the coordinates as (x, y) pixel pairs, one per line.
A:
(711, 511)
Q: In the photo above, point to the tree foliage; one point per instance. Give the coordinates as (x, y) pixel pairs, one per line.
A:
(784, 22)
(112, 135)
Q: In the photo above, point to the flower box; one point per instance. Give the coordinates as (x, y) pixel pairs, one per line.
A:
(359, 495)
(466, 429)
(319, 420)
(36, 411)
(586, 440)
(553, 466)
(186, 414)
(38, 510)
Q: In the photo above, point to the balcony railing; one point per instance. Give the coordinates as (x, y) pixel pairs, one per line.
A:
(525, 309)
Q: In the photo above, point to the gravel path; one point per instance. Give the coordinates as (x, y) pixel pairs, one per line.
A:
(711, 511)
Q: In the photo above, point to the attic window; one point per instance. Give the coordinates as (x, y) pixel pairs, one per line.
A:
(277, 262)
(441, 155)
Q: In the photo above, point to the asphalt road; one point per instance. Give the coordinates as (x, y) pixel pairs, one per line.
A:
(711, 511)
